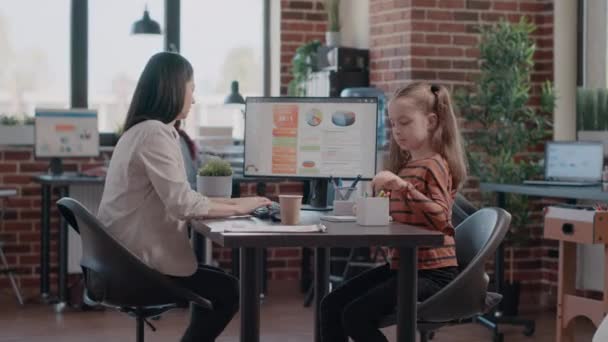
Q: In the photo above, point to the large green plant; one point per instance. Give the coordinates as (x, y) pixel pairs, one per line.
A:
(592, 109)
(332, 7)
(303, 63)
(506, 127)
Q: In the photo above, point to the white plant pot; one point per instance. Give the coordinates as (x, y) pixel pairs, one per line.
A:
(332, 38)
(220, 186)
(17, 135)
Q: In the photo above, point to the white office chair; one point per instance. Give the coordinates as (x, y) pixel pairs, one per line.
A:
(6, 269)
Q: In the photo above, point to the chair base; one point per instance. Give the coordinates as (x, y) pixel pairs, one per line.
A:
(492, 322)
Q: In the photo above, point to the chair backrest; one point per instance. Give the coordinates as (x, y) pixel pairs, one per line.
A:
(113, 275)
(477, 239)
(461, 209)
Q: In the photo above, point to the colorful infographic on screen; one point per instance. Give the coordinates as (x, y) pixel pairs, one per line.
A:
(310, 138)
(66, 133)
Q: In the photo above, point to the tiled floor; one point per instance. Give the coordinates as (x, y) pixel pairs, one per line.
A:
(284, 319)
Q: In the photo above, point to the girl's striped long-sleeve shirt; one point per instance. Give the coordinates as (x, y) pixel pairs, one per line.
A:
(427, 203)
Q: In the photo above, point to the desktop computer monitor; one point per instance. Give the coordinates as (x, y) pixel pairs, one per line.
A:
(310, 137)
(63, 133)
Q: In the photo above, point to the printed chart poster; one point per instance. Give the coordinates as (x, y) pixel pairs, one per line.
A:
(66, 133)
(311, 139)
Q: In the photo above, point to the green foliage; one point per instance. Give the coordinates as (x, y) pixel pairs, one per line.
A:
(15, 120)
(332, 7)
(216, 168)
(592, 109)
(303, 63)
(506, 126)
(602, 109)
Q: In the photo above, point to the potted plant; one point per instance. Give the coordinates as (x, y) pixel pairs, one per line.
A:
(16, 130)
(506, 126)
(303, 63)
(214, 179)
(332, 36)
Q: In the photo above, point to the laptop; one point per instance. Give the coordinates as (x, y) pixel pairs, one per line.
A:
(572, 163)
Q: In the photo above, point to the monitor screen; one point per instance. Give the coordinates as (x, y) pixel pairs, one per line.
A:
(574, 161)
(310, 137)
(66, 133)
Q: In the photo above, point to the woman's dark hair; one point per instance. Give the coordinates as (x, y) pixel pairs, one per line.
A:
(160, 91)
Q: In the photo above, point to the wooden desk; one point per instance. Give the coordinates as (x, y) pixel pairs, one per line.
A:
(406, 238)
(571, 193)
(571, 227)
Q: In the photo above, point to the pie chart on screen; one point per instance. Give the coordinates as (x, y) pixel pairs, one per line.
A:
(343, 118)
(314, 117)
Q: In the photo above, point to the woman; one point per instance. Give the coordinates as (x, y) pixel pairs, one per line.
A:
(147, 198)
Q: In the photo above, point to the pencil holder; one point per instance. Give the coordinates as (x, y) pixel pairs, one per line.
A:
(344, 208)
(373, 211)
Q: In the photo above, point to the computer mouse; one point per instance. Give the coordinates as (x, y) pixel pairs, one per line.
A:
(261, 213)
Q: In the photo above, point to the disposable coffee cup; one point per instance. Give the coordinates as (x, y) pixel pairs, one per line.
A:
(290, 208)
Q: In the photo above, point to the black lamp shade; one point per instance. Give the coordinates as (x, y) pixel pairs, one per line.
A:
(146, 25)
(234, 97)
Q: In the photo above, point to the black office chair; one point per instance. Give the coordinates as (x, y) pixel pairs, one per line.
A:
(461, 209)
(115, 278)
(466, 297)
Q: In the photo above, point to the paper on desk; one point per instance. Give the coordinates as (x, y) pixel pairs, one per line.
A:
(252, 227)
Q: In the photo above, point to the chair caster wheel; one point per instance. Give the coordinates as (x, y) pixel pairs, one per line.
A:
(529, 330)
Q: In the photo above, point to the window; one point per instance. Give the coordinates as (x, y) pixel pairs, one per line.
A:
(34, 62)
(116, 58)
(223, 41)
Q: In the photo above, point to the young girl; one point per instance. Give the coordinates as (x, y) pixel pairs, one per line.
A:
(426, 168)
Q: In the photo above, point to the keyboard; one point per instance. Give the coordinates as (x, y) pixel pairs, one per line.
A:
(561, 183)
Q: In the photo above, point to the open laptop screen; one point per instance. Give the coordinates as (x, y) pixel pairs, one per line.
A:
(573, 160)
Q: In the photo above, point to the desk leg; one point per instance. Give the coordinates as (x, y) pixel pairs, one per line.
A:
(45, 238)
(250, 294)
(321, 284)
(235, 256)
(499, 261)
(407, 294)
(62, 246)
(566, 285)
(494, 319)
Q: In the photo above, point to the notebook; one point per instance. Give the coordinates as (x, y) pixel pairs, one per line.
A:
(251, 226)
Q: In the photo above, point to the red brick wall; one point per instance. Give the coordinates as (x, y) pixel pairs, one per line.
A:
(301, 22)
(20, 228)
(435, 40)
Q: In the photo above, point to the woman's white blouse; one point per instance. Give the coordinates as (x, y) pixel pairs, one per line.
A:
(147, 198)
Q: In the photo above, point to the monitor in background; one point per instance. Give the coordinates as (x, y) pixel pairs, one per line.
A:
(574, 161)
(65, 133)
(311, 138)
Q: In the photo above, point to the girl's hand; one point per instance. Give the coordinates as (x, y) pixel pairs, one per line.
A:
(386, 180)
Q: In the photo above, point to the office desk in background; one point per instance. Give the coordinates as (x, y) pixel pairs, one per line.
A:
(571, 193)
(62, 183)
(406, 238)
